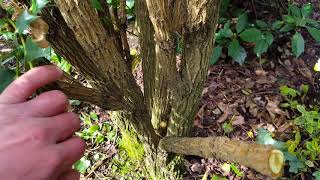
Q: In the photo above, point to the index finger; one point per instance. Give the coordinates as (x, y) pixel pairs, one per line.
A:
(23, 87)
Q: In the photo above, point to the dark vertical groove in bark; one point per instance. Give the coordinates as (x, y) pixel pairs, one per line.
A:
(146, 40)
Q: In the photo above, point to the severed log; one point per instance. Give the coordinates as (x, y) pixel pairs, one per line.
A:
(263, 158)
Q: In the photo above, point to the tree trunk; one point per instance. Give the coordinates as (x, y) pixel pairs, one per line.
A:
(173, 81)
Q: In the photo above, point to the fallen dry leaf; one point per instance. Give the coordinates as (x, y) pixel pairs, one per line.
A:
(273, 108)
(227, 111)
(39, 29)
(261, 72)
(253, 108)
(238, 120)
(266, 80)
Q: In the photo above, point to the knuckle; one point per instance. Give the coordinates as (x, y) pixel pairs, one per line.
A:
(74, 120)
(59, 96)
(54, 159)
(39, 134)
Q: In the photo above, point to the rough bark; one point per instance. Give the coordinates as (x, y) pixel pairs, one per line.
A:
(264, 159)
(122, 119)
(147, 44)
(197, 40)
(75, 90)
(178, 85)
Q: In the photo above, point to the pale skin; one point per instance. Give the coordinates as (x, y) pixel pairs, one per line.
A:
(36, 135)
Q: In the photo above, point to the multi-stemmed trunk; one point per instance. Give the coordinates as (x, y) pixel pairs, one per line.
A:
(172, 81)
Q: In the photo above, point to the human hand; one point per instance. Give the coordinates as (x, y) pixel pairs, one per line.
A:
(36, 140)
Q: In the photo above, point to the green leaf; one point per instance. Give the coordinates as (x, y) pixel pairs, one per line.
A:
(317, 66)
(179, 47)
(6, 77)
(309, 163)
(295, 166)
(287, 91)
(227, 127)
(301, 109)
(93, 116)
(99, 139)
(315, 33)
(226, 31)
(236, 170)
(264, 137)
(316, 175)
(130, 4)
(234, 49)
(93, 129)
(287, 28)
(37, 5)
(237, 52)
(33, 51)
(251, 35)
(242, 22)
(3, 22)
(82, 165)
(9, 35)
(288, 19)
(24, 21)
(217, 51)
(297, 43)
(304, 89)
(294, 11)
(294, 144)
(277, 25)
(96, 4)
(269, 38)
(261, 47)
(261, 24)
(312, 22)
(241, 57)
(306, 10)
(300, 22)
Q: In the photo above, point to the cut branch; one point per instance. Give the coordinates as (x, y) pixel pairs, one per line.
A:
(75, 90)
(264, 159)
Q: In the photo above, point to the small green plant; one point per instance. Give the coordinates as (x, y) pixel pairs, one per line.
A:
(227, 127)
(24, 32)
(226, 167)
(302, 149)
(82, 165)
(237, 36)
(291, 95)
(61, 63)
(234, 35)
(94, 131)
(296, 20)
